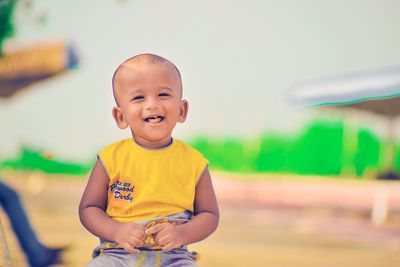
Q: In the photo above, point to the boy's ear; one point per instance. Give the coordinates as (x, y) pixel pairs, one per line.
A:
(183, 111)
(119, 118)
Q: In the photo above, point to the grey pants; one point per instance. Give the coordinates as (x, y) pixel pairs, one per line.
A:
(110, 254)
(146, 258)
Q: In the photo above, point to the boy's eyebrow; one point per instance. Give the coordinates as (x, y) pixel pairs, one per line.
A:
(135, 91)
(166, 87)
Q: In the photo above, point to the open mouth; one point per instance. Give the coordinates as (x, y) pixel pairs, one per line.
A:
(154, 119)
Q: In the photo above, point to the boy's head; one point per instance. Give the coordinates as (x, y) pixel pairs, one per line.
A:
(148, 92)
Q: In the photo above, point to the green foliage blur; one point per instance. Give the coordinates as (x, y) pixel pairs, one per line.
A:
(323, 148)
(34, 160)
(6, 20)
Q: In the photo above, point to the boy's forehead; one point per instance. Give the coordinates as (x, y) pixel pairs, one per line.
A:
(141, 68)
(128, 71)
(141, 65)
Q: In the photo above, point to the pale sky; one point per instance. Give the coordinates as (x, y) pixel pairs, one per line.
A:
(237, 60)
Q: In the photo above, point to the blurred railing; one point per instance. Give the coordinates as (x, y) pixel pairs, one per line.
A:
(377, 198)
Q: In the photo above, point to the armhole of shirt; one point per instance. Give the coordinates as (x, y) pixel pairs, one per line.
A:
(201, 173)
(104, 166)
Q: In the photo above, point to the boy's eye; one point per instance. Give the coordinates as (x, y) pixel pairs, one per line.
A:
(163, 94)
(138, 97)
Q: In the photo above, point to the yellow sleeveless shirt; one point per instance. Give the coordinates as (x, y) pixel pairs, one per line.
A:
(146, 183)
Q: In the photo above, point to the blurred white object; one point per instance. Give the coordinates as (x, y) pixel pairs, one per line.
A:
(373, 90)
(380, 205)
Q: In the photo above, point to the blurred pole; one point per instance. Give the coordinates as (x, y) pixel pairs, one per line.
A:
(5, 259)
(380, 205)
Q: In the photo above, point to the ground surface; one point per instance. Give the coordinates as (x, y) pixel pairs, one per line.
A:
(250, 233)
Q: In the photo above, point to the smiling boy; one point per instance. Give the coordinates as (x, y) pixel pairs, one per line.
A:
(150, 195)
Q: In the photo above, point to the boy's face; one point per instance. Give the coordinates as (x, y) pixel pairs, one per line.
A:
(149, 98)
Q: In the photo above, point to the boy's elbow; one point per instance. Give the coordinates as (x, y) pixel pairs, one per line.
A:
(216, 222)
(81, 212)
(213, 220)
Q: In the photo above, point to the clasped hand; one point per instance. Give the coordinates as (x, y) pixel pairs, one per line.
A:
(132, 235)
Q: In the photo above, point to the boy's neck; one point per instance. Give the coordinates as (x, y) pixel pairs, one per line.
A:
(153, 145)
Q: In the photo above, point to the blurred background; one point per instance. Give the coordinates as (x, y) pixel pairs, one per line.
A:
(294, 103)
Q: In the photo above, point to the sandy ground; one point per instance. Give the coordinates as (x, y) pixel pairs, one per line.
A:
(250, 233)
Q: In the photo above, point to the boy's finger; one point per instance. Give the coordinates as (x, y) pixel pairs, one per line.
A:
(168, 246)
(163, 240)
(140, 235)
(131, 249)
(134, 251)
(155, 229)
(136, 242)
(151, 230)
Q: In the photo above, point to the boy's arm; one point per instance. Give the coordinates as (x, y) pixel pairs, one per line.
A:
(93, 216)
(204, 223)
(206, 212)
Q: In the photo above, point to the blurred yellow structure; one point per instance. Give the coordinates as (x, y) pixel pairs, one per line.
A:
(20, 67)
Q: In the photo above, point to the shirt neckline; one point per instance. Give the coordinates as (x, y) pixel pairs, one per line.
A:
(170, 147)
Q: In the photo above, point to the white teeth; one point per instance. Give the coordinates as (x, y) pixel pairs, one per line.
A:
(156, 117)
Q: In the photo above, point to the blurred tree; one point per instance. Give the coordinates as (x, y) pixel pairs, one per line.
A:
(6, 20)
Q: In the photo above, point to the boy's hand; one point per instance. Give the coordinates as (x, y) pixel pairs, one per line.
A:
(167, 235)
(129, 236)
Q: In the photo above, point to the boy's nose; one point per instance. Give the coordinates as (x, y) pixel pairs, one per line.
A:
(151, 104)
